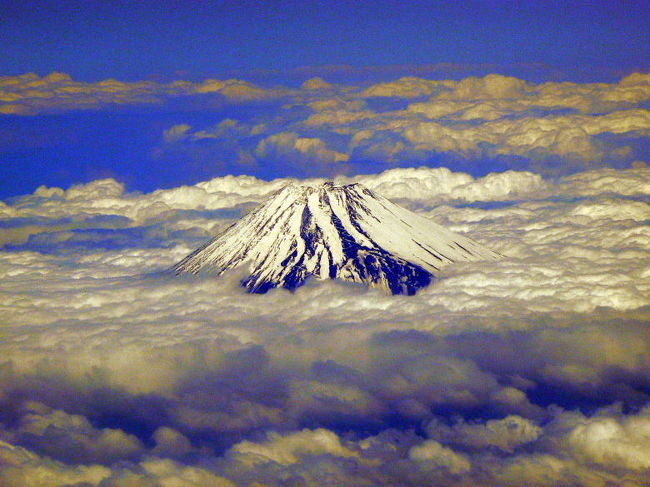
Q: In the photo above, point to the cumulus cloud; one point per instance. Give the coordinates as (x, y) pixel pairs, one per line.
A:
(21, 467)
(235, 90)
(565, 136)
(503, 373)
(608, 439)
(432, 453)
(170, 443)
(289, 449)
(553, 127)
(31, 94)
(71, 437)
(406, 87)
(290, 147)
(505, 434)
(500, 115)
(495, 117)
(316, 83)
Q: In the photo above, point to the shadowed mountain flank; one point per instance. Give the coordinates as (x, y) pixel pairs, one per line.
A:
(338, 232)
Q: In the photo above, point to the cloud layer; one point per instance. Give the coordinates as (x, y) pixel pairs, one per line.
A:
(530, 371)
(500, 119)
(30, 94)
(322, 128)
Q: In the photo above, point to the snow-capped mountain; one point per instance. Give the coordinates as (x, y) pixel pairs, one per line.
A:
(329, 231)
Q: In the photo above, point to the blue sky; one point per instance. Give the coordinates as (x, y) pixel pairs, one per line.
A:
(48, 136)
(136, 40)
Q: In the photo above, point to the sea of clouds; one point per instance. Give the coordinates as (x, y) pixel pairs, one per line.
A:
(533, 370)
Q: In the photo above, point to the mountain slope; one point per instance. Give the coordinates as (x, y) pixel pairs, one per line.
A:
(329, 231)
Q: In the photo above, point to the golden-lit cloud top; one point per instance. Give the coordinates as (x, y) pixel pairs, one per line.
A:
(113, 375)
(554, 127)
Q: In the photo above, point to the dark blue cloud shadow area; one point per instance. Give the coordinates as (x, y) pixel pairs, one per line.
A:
(251, 376)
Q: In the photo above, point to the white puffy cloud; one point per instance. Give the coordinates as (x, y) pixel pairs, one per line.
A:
(604, 181)
(407, 87)
(432, 453)
(337, 117)
(170, 442)
(607, 441)
(114, 375)
(290, 147)
(497, 116)
(235, 89)
(505, 434)
(31, 94)
(554, 127)
(168, 473)
(72, 438)
(291, 448)
(564, 135)
(430, 183)
(474, 117)
(316, 83)
(608, 438)
(512, 94)
(608, 448)
(21, 467)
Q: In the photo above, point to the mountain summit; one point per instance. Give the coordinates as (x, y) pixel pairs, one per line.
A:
(329, 231)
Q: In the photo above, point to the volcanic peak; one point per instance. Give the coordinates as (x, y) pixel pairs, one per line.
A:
(333, 231)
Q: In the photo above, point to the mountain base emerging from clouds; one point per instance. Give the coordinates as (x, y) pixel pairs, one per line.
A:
(339, 232)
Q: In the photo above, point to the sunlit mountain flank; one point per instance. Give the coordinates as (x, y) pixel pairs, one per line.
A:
(329, 231)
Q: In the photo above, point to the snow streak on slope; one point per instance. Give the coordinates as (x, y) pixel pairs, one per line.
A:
(329, 231)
